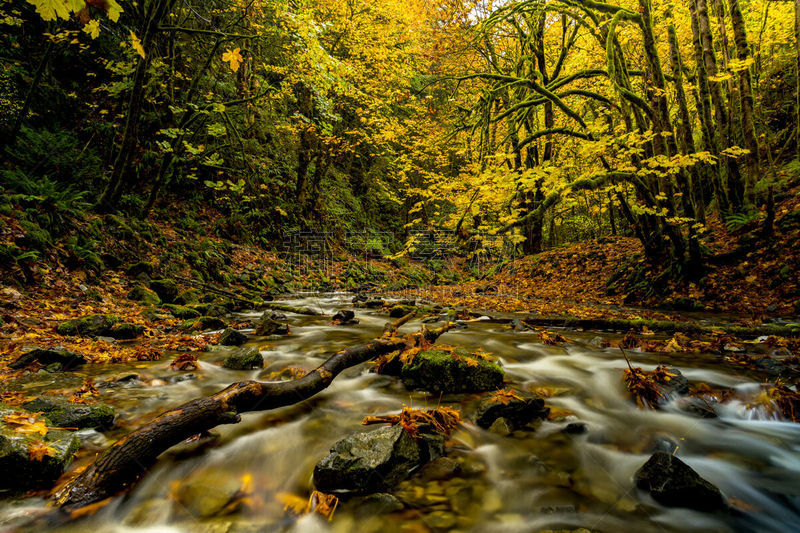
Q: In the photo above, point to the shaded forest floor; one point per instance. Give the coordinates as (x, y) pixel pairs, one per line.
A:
(750, 282)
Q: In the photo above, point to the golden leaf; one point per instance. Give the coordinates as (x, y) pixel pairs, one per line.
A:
(233, 58)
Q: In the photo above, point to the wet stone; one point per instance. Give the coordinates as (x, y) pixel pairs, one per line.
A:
(375, 460)
(440, 371)
(244, 359)
(501, 427)
(575, 428)
(64, 414)
(232, 337)
(519, 410)
(673, 483)
(48, 356)
(441, 469)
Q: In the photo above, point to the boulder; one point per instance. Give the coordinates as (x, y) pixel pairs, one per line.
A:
(188, 297)
(244, 359)
(144, 295)
(517, 407)
(166, 289)
(399, 311)
(125, 331)
(142, 267)
(51, 358)
(267, 325)
(673, 483)
(372, 461)
(65, 414)
(179, 311)
(232, 337)
(203, 323)
(33, 461)
(677, 385)
(440, 371)
(344, 316)
(91, 326)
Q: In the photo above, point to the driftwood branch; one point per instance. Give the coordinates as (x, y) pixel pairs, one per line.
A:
(120, 466)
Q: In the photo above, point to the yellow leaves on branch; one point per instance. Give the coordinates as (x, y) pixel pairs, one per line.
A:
(442, 419)
(233, 58)
(92, 28)
(137, 44)
(63, 9)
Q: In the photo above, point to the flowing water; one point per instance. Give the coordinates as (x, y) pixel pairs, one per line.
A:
(537, 479)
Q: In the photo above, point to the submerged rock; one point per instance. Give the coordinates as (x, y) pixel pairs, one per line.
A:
(344, 316)
(49, 356)
(209, 493)
(244, 359)
(440, 371)
(375, 460)
(517, 407)
(267, 325)
(677, 385)
(32, 461)
(65, 414)
(232, 337)
(92, 325)
(673, 483)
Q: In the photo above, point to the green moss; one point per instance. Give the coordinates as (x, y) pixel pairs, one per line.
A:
(179, 311)
(166, 289)
(203, 323)
(92, 325)
(188, 297)
(144, 295)
(441, 371)
(125, 331)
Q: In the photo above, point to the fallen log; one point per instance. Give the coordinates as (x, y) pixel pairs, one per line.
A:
(119, 467)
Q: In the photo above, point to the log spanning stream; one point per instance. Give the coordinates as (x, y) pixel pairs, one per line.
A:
(534, 479)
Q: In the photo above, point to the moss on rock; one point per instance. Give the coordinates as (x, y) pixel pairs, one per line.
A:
(92, 325)
(179, 311)
(452, 372)
(144, 295)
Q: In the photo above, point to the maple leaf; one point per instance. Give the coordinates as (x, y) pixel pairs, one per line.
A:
(52, 9)
(92, 28)
(233, 58)
(39, 450)
(27, 424)
(137, 44)
(506, 396)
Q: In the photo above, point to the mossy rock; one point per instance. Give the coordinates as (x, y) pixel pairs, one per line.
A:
(244, 359)
(48, 357)
(203, 323)
(179, 311)
(125, 331)
(144, 295)
(65, 414)
(399, 311)
(166, 289)
(232, 337)
(517, 408)
(92, 325)
(188, 297)
(440, 371)
(23, 472)
(142, 267)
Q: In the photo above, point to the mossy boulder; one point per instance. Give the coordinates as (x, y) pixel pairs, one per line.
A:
(517, 407)
(22, 470)
(399, 311)
(372, 461)
(203, 323)
(232, 337)
(244, 359)
(267, 325)
(125, 331)
(92, 325)
(179, 311)
(166, 289)
(51, 358)
(142, 267)
(144, 295)
(451, 372)
(188, 297)
(65, 414)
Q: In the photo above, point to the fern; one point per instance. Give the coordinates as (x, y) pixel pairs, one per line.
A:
(737, 221)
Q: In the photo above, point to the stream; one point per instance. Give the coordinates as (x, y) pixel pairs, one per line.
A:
(542, 479)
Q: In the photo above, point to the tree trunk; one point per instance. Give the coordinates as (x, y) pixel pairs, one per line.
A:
(746, 97)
